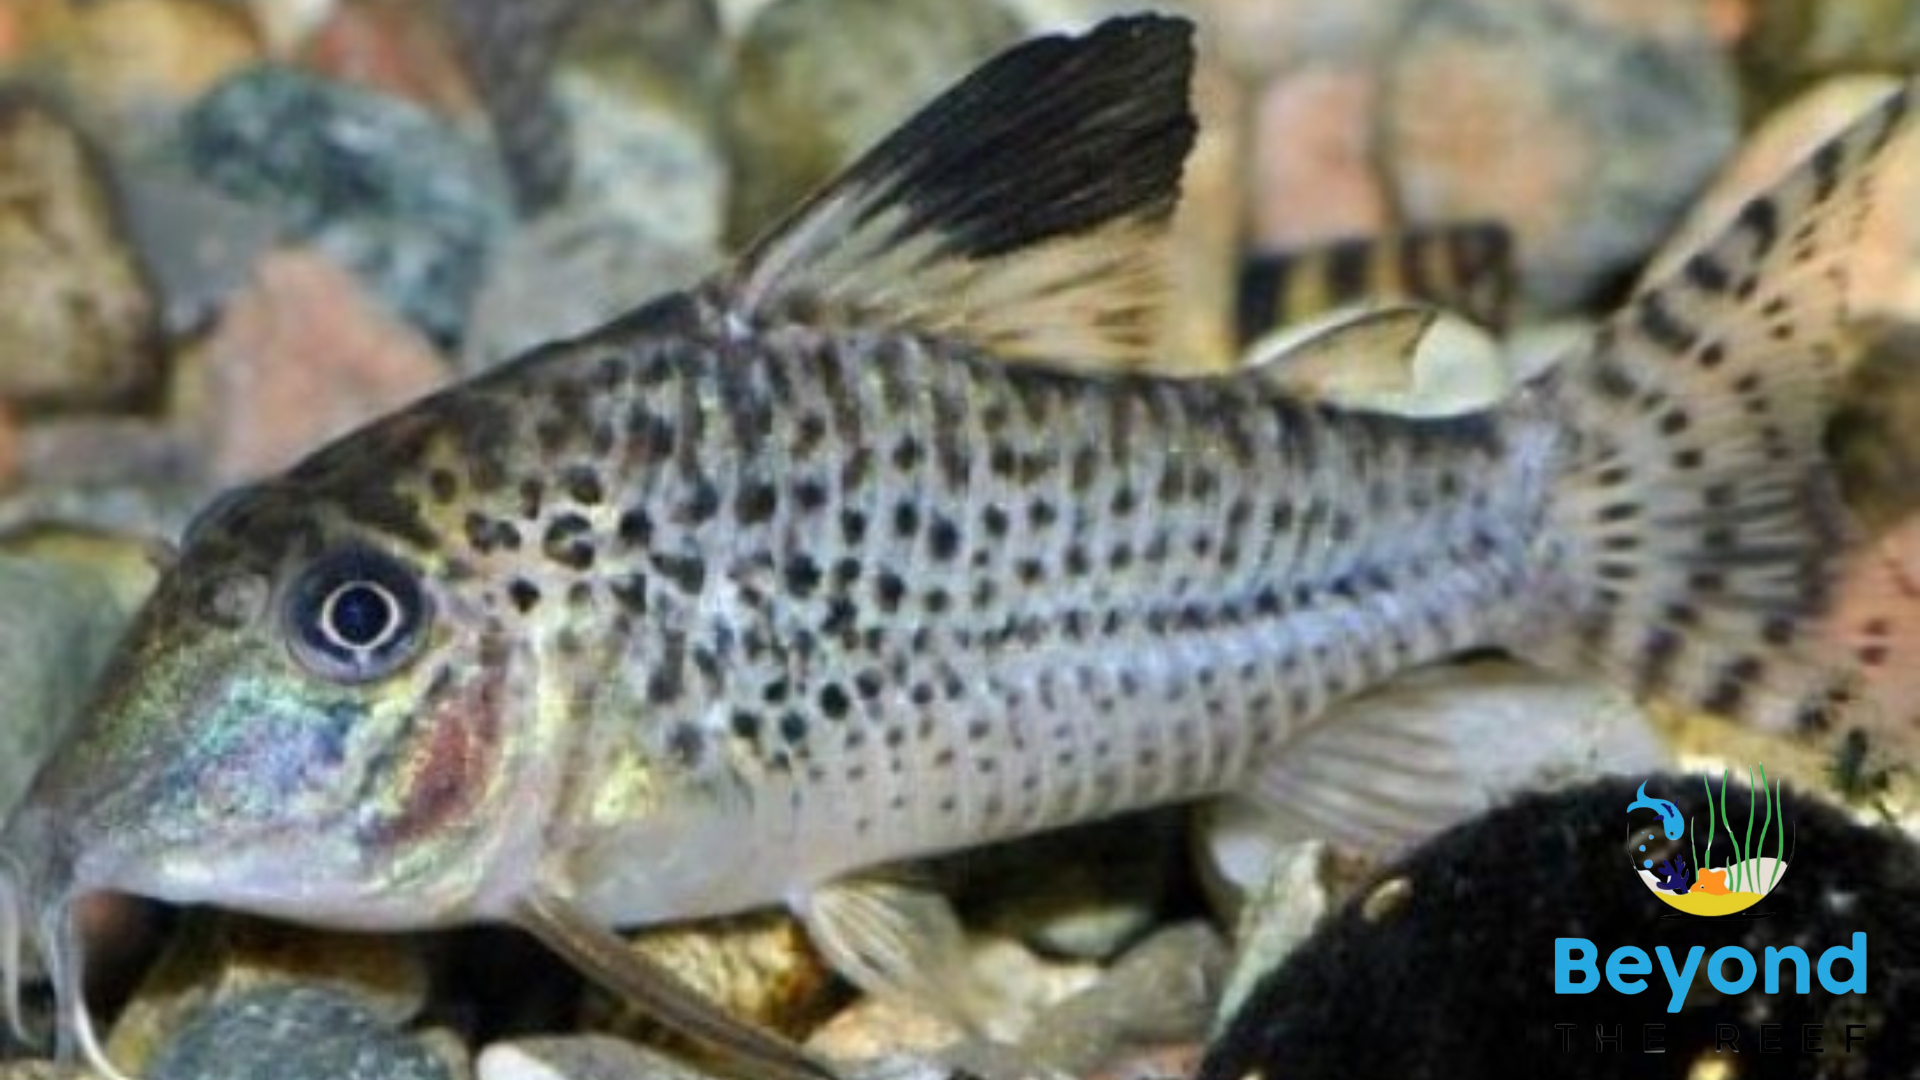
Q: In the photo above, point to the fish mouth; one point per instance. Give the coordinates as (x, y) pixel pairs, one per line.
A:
(41, 890)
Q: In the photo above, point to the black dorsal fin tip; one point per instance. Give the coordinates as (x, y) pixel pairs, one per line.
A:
(1028, 201)
(1065, 135)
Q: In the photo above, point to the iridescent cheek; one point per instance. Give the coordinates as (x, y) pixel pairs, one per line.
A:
(308, 761)
(276, 770)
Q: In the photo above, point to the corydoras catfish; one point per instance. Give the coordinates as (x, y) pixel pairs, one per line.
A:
(886, 542)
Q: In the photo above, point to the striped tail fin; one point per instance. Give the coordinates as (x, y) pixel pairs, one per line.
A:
(1694, 536)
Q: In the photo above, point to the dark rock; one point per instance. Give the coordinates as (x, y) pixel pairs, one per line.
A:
(293, 1033)
(383, 186)
(92, 450)
(213, 956)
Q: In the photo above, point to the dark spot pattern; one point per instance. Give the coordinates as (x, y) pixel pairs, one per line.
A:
(1002, 597)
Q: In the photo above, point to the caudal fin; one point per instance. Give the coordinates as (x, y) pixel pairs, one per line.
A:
(1694, 536)
(1876, 620)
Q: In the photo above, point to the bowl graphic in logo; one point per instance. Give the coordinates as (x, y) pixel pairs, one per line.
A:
(1718, 870)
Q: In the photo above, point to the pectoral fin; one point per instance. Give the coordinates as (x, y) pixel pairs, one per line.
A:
(600, 955)
(893, 937)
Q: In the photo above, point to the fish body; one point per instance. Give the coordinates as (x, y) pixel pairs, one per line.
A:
(1670, 820)
(886, 542)
(878, 597)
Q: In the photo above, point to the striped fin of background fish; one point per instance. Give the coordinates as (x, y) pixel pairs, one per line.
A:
(508, 48)
(1466, 268)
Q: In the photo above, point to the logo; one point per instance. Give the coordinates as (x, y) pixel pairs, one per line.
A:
(1721, 866)
(1678, 860)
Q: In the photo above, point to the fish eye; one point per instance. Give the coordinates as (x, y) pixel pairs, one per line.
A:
(356, 615)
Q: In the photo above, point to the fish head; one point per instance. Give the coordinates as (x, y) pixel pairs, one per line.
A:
(309, 718)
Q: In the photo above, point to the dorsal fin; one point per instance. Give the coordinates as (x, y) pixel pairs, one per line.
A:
(1024, 210)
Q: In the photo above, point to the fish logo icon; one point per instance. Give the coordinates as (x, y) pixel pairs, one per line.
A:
(1676, 859)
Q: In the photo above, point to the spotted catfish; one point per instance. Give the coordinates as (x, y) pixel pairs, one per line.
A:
(887, 541)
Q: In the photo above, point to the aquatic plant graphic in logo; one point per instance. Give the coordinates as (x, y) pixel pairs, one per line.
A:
(1686, 876)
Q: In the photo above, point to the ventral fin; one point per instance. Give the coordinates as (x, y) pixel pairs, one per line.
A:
(1407, 360)
(1023, 211)
(600, 955)
(893, 937)
(1376, 773)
